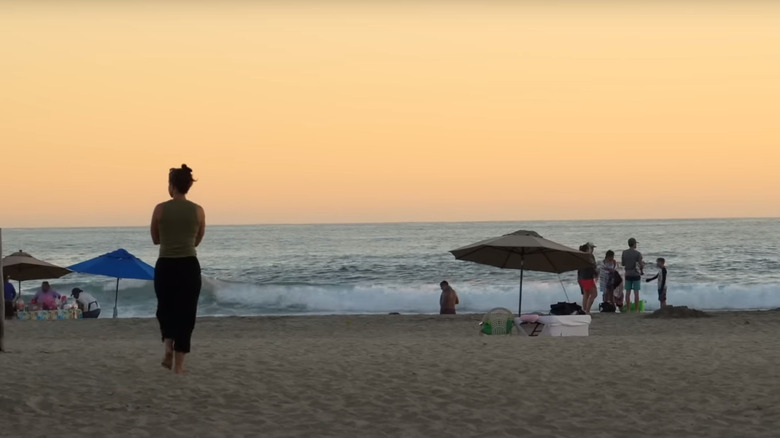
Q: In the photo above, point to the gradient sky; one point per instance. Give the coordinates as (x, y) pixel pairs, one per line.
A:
(306, 112)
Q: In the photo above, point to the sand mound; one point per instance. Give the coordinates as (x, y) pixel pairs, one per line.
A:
(678, 312)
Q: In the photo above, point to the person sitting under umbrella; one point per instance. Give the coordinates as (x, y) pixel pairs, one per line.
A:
(86, 302)
(9, 297)
(46, 297)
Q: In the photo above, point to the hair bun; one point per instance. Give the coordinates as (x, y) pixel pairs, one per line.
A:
(184, 167)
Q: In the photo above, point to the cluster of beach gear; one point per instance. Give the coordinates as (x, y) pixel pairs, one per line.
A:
(21, 266)
(528, 251)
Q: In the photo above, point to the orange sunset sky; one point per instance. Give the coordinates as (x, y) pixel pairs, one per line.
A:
(378, 111)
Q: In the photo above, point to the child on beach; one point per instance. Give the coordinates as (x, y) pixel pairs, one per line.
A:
(661, 277)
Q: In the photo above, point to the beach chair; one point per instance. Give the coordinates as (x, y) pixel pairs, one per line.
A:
(498, 321)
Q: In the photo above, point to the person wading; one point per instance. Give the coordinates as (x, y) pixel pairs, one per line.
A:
(448, 299)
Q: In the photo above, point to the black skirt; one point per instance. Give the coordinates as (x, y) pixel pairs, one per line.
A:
(177, 285)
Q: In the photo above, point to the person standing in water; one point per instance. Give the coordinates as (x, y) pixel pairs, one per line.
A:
(178, 226)
(448, 299)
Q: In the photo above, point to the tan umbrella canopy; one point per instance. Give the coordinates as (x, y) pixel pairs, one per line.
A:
(525, 250)
(22, 266)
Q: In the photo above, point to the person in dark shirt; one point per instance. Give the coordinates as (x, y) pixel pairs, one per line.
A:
(661, 277)
(634, 265)
(586, 277)
(9, 297)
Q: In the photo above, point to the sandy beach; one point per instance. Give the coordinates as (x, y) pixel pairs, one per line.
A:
(395, 376)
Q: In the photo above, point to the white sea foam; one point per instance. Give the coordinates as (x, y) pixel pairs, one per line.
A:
(137, 299)
(228, 298)
(396, 267)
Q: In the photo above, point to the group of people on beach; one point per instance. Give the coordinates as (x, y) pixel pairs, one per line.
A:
(606, 274)
(178, 227)
(47, 298)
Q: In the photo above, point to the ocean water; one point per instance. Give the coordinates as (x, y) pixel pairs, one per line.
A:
(378, 268)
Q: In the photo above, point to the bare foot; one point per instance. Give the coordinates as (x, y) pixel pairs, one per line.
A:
(167, 361)
(181, 371)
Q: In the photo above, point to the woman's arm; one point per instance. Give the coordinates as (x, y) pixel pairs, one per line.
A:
(155, 228)
(202, 225)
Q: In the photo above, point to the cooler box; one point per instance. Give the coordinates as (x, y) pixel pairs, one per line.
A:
(556, 325)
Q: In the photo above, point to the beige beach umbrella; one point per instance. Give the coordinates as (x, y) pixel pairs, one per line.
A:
(22, 266)
(526, 251)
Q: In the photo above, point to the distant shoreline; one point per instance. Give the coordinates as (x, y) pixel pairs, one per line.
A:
(352, 224)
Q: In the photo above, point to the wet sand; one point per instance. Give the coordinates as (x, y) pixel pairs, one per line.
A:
(395, 376)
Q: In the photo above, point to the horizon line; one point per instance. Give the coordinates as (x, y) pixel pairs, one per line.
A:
(303, 224)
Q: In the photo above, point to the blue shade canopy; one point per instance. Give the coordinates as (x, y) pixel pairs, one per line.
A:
(119, 264)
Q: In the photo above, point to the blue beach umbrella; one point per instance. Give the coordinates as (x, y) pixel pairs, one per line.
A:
(119, 264)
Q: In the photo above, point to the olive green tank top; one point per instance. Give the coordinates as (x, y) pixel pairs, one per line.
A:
(178, 229)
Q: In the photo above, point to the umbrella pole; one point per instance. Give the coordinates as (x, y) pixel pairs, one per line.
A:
(520, 303)
(116, 297)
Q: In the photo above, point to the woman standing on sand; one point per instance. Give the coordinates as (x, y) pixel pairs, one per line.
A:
(178, 226)
(607, 270)
(586, 277)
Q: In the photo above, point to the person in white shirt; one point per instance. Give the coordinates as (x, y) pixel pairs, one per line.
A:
(86, 302)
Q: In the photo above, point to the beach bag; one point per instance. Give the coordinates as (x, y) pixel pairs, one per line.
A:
(607, 307)
(614, 280)
(562, 308)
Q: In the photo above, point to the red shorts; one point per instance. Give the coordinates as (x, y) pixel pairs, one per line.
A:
(587, 283)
